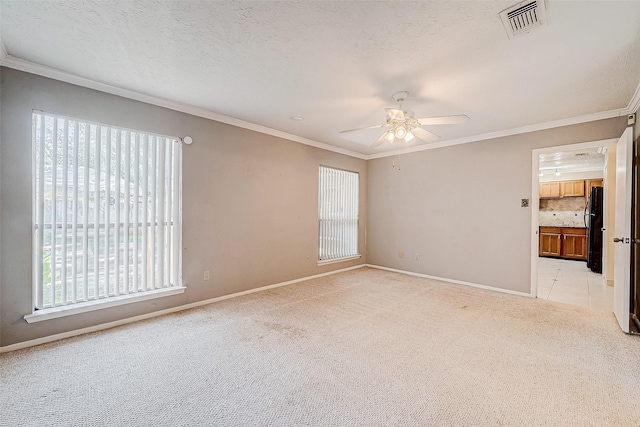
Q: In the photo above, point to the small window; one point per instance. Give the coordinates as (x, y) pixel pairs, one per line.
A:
(338, 214)
(106, 211)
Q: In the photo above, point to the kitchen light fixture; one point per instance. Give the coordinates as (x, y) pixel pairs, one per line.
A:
(297, 118)
(557, 173)
(540, 174)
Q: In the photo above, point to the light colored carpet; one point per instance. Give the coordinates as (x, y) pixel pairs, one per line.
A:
(361, 348)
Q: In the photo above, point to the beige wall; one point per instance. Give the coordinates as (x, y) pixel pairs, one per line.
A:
(459, 207)
(249, 204)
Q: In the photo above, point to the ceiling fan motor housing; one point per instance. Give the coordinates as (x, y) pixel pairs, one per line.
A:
(400, 96)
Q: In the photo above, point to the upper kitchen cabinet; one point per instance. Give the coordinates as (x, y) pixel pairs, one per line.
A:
(572, 189)
(557, 189)
(549, 190)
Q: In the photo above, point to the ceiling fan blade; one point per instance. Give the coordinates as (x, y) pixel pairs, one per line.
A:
(444, 120)
(378, 142)
(368, 127)
(425, 135)
(394, 114)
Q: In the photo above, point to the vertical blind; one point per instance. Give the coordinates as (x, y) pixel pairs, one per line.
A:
(338, 213)
(107, 207)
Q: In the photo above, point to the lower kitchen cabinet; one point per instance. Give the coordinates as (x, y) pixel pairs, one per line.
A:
(550, 242)
(563, 242)
(574, 246)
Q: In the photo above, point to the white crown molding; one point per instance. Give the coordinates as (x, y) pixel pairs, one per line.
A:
(634, 102)
(41, 70)
(507, 132)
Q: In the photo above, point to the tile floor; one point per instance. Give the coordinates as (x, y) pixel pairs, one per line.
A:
(572, 282)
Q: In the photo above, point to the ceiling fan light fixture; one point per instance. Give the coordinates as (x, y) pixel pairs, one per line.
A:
(390, 136)
(400, 124)
(408, 137)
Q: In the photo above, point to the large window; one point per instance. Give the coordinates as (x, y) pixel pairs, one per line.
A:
(106, 211)
(338, 214)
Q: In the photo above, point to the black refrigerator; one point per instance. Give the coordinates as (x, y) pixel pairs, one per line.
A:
(594, 222)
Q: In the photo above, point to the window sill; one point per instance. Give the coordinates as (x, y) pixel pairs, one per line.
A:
(84, 307)
(333, 261)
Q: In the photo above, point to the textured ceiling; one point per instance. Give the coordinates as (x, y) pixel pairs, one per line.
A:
(585, 160)
(337, 63)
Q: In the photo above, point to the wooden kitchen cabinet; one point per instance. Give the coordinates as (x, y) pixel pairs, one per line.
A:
(550, 241)
(574, 244)
(557, 189)
(563, 242)
(549, 190)
(572, 188)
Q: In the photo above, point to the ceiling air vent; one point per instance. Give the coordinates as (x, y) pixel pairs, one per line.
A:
(524, 17)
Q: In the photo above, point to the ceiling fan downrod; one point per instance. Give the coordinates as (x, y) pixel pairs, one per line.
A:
(400, 96)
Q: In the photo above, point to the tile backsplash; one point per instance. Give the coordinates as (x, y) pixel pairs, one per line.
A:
(567, 212)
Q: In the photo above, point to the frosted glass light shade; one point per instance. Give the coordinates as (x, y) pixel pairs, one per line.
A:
(390, 136)
(408, 137)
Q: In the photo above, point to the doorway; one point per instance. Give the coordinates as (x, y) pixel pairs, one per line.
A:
(571, 261)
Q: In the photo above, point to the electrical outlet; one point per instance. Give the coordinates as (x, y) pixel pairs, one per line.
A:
(308, 258)
(417, 257)
(206, 275)
(400, 254)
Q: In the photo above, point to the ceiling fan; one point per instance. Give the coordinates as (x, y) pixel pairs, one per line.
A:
(402, 124)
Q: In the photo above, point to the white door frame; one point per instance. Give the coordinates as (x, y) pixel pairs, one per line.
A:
(623, 221)
(535, 197)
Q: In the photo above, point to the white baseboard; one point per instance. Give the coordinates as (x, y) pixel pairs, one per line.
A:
(109, 325)
(457, 282)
